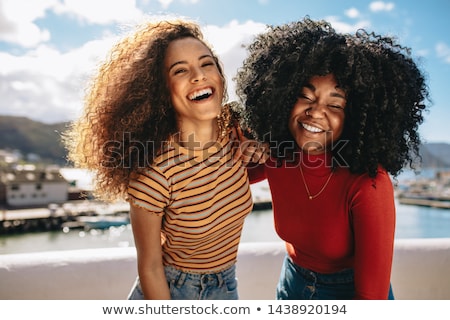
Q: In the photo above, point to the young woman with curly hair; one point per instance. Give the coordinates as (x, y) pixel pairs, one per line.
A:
(155, 131)
(341, 114)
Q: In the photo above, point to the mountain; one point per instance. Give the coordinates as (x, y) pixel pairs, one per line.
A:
(33, 138)
(44, 140)
(435, 155)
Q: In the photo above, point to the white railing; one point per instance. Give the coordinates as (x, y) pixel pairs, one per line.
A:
(420, 272)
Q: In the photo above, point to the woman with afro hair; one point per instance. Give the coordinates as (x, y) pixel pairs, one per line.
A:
(341, 114)
(155, 130)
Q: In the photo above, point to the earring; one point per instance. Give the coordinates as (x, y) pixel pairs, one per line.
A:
(223, 120)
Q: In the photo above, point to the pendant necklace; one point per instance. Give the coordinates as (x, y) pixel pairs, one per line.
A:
(310, 196)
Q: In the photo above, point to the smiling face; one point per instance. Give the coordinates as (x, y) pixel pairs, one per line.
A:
(195, 83)
(317, 118)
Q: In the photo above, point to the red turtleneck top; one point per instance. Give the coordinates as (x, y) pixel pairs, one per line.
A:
(350, 224)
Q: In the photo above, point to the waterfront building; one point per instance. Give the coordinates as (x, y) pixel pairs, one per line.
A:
(31, 187)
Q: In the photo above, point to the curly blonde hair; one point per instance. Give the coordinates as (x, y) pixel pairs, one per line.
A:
(128, 114)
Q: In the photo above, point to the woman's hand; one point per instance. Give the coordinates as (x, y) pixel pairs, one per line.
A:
(250, 151)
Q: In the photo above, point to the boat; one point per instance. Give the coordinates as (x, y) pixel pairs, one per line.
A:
(429, 192)
(103, 221)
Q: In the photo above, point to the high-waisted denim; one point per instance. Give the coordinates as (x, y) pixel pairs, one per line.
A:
(298, 283)
(196, 286)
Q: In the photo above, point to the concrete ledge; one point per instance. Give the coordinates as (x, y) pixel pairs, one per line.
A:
(91, 274)
(420, 272)
(421, 269)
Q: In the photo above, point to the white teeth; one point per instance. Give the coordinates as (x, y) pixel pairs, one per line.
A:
(203, 92)
(311, 128)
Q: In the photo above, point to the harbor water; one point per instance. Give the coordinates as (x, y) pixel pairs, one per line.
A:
(412, 222)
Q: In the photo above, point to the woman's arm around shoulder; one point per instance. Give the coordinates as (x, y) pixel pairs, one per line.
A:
(252, 153)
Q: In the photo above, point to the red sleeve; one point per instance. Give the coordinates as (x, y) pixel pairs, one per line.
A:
(373, 214)
(256, 172)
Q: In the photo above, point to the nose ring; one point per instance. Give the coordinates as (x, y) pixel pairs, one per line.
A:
(307, 112)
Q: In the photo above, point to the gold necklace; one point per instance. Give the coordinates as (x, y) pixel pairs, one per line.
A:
(306, 186)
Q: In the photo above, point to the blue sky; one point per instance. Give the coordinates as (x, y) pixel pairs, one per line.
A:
(48, 48)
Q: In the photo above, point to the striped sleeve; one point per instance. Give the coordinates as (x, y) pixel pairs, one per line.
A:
(150, 191)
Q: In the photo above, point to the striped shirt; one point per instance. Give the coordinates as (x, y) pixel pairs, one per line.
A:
(204, 198)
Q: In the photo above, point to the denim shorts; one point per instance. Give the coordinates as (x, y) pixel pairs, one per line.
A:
(196, 286)
(298, 283)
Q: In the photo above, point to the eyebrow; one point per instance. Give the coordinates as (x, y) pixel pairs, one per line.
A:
(185, 62)
(338, 95)
(333, 94)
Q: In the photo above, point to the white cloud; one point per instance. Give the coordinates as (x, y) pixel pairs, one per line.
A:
(443, 52)
(232, 34)
(346, 27)
(352, 13)
(18, 26)
(48, 85)
(45, 84)
(165, 3)
(39, 96)
(190, 1)
(422, 52)
(229, 43)
(381, 6)
(100, 11)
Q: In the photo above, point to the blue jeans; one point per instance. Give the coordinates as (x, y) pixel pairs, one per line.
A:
(297, 283)
(196, 286)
